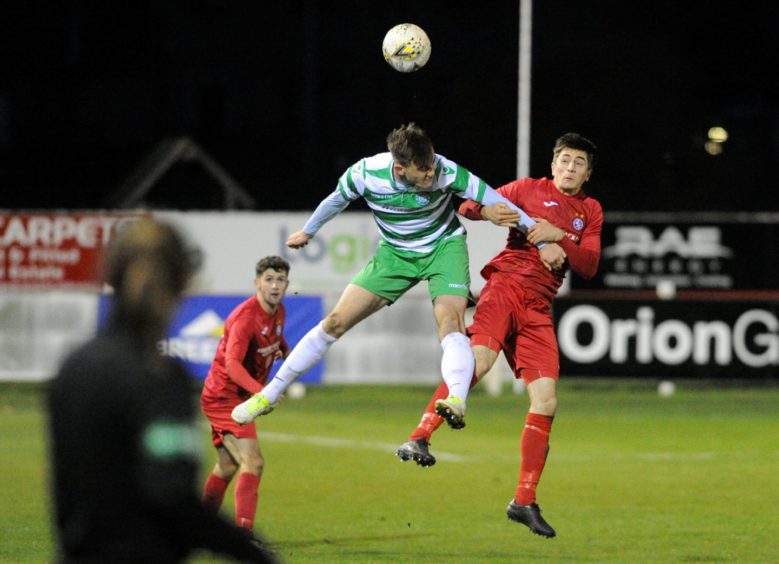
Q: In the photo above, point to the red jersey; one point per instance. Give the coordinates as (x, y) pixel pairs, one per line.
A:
(252, 337)
(580, 216)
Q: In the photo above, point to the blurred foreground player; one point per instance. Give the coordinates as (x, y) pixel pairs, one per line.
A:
(124, 444)
(514, 313)
(253, 338)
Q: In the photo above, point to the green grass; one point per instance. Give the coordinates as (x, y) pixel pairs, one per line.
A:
(631, 477)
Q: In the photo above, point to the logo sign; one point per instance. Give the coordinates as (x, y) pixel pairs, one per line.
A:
(693, 257)
(683, 338)
(198, 327)
(346, 252)
(700, 251)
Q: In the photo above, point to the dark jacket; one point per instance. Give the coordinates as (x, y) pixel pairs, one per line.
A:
(125, 456)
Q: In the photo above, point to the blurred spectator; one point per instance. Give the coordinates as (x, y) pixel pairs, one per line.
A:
(125, 450)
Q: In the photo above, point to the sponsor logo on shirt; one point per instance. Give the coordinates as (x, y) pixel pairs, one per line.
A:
(551, 203)
(578, 222)
(460, 286)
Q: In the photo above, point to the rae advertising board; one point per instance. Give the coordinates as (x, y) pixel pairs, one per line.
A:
(702, 251)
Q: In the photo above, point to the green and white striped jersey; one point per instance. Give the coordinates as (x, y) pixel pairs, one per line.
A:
(408, 218)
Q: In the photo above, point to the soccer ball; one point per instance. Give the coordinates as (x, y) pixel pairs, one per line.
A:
(406, 47)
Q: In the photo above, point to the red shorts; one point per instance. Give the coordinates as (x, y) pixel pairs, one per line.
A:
(218, 412)
(510, 319)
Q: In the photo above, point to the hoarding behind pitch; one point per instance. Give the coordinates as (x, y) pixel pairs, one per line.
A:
(199, 322)
(722, 337)
(54, 249)
(702, 251)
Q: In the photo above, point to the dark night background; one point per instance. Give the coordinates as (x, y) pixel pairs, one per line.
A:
(285, 95)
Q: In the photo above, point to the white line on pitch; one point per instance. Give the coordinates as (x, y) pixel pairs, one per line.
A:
(349, 443)
(333, 442)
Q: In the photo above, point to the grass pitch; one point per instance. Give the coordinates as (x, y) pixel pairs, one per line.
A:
(631, 477)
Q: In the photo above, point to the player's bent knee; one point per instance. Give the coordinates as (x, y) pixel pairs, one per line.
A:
(334, 325)
(484, 359)
(253, 464)
(544, 406)
(225, 470)
(481, 367)
(228, 464)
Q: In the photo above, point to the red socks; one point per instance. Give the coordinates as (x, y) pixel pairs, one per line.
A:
(214, 492)
(246, 499)
(430, 420)
(534, 448)
(245, 496)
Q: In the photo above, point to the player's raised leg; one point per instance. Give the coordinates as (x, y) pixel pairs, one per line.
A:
(354, 305)
(417, 448)
(457, 361)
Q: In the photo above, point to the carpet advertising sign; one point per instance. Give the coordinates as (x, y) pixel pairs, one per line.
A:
(683, 338)
(54, 249)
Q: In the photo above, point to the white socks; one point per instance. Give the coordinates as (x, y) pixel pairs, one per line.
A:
(307, 353)
(457, 364)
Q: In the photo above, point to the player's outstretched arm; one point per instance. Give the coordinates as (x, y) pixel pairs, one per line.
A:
(500, 212)
(327, 209)
(491, 197)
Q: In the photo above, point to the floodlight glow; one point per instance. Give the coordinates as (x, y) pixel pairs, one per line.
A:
(718, 134)
(713, 147)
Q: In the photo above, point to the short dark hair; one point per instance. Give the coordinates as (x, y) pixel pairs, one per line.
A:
(273, 262)
(578, 142)
(410, 144)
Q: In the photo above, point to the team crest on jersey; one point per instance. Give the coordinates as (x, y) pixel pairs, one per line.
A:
(421, 199)
(578, 222)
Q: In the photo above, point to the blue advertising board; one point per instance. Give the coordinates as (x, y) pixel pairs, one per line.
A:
(199, 323)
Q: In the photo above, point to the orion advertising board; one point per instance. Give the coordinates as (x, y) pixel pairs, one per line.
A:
(722, 338)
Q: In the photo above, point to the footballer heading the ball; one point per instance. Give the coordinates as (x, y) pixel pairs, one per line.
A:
(406, 47)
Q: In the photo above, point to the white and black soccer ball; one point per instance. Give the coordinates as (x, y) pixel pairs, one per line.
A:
(406, 47)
